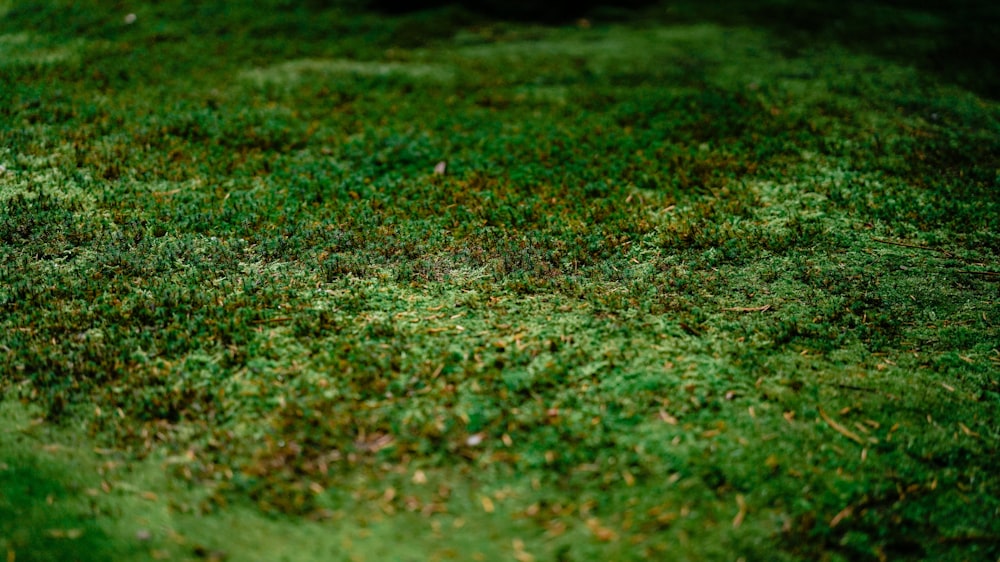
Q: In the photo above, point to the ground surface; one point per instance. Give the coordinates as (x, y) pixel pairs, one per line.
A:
(308, 284)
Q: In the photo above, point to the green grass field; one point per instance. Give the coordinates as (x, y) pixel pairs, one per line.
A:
(284, 282)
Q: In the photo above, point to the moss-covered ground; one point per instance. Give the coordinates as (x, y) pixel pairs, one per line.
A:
(286, 282)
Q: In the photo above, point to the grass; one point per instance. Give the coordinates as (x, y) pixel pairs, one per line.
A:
(689, 287)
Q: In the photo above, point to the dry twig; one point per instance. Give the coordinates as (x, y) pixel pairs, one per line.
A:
(764, 308)
(841, 429)
(915, 246)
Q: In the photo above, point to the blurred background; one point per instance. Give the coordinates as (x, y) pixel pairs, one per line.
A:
(957, 40)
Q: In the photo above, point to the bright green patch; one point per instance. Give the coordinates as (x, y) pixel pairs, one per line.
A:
(317, 71)
(25, 49)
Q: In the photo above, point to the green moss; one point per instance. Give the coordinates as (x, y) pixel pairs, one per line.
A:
(678, 289)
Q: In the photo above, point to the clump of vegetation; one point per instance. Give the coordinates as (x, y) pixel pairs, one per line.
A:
(611, 290)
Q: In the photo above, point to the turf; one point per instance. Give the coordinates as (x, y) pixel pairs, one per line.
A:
(306, 282)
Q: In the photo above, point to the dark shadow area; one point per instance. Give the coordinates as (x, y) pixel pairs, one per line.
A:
(957, 41)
